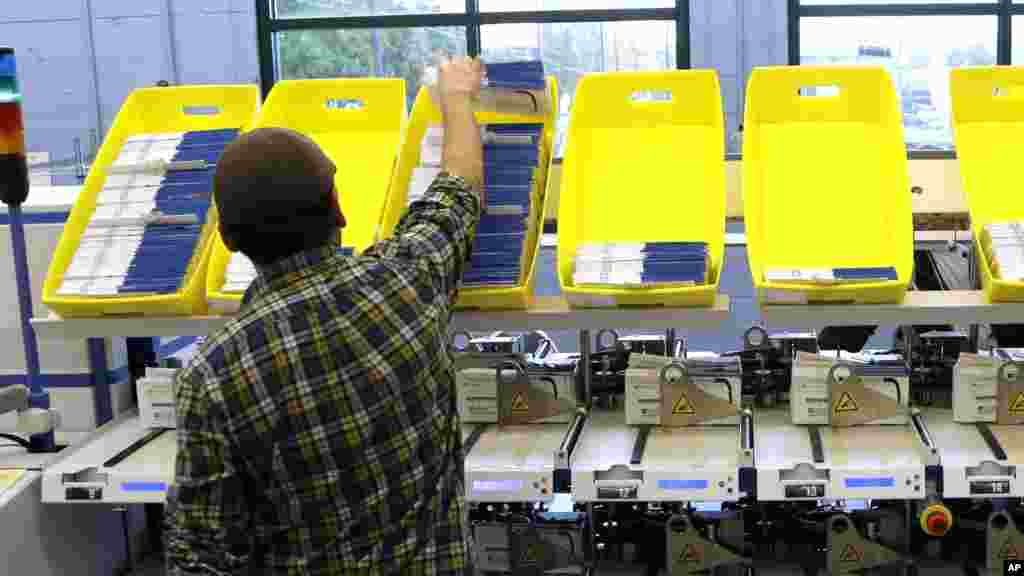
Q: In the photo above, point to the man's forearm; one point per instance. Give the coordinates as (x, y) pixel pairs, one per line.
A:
(463, 150)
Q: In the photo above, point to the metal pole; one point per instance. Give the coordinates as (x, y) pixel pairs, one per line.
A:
(585, 364)
(40, 398)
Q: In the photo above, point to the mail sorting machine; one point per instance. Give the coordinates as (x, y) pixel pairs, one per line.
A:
(520, 424)
(149, 216)
(979, 445)
(679, 447)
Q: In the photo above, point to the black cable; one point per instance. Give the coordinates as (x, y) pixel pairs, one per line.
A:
(16, 439)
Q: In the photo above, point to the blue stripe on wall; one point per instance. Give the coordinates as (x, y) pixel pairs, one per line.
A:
(65, 380)
(50, 380)
(37, 218)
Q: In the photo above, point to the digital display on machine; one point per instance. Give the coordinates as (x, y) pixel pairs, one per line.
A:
(990, 487)
(497, 485)
(682, 484)
(144, 487)
(878, 482)
(805, 491)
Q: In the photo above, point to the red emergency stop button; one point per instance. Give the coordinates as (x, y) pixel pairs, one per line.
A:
(936, 520)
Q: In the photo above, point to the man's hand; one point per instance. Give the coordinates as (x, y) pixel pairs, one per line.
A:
(459, 85)
(459, 81)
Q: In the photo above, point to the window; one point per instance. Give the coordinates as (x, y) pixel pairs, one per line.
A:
(570, 50)
(399, 38)
(390, 52)
(918, 41)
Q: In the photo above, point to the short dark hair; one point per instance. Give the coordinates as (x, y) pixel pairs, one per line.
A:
(273, 189)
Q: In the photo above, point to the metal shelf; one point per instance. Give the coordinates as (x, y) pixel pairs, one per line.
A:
(958, 307)
(548, 313)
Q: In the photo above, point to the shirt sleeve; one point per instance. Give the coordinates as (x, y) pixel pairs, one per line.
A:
(437, 233)
(206, 525)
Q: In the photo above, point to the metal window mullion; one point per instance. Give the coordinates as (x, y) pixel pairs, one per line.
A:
(858, 10)
(683, 34)
(1005, 41)
(578, 16)
(265, 47)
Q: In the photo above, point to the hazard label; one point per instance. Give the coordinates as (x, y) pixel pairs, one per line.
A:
(530, 555)
(1017, 406)
(850, 554)
(682, 405)
(1008, 552)
(519, 403)
(845, 403)
(689, 554)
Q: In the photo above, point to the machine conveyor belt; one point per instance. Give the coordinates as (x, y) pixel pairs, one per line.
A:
(120, 463)
(671, 464)
(797, 462)
(978, 460)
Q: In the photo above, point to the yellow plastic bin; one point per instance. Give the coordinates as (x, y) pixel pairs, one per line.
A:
(644, 162)
(358, 123)
(425, 113)
(825, 182)
(147, 111)
(988, 123)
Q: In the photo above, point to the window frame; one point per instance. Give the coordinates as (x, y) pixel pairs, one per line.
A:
(472, 19)
(1004, 10)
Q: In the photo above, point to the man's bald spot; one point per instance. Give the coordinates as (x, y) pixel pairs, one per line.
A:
(267, 154)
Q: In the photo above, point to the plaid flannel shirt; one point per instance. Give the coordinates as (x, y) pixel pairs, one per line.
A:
(317, 431)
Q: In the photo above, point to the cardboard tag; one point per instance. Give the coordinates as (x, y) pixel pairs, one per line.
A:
(686, 404)
(526, 402)
(853, 404)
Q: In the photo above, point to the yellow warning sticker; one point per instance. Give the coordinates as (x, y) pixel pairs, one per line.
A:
(689, 554)
(682, 405)
(1017, 406)
(1008, 552)
(530, 555)
(850, 554)
(846, 403)
(519, 403)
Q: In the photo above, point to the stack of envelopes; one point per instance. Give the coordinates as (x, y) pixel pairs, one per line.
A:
(149, 217)
(641, 264)
(1003, 245)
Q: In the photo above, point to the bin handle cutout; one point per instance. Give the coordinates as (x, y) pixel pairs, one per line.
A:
(1015, 92)
(651, 96)
(202, 110)
(823, 91)
(344, 104)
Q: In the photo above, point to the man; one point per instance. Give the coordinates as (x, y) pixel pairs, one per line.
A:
(317, 431)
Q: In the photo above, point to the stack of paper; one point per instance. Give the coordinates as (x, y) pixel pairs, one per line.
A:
(1003, 243)
(149, 216)
(641, 264)
(240, 273)
(512, 154)
(831, 275)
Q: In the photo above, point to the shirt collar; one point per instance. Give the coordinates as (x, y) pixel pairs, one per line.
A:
(282, 271)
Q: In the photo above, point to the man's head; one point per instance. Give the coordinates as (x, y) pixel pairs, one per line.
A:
(275, 195)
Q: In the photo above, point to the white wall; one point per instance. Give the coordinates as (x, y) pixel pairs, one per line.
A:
(78, 59)
(733, 37)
